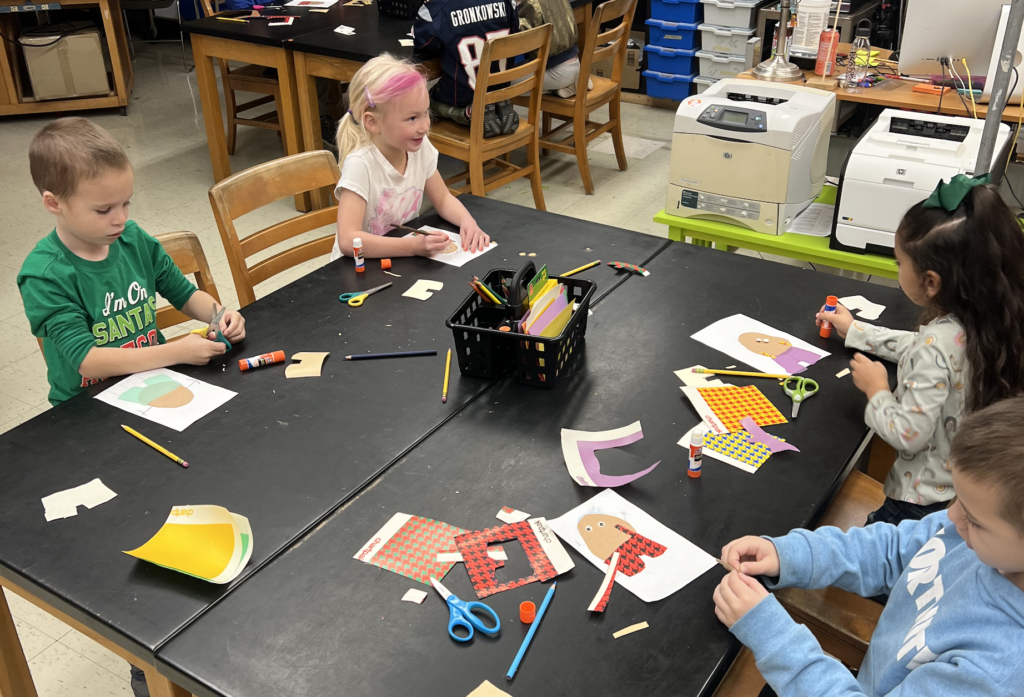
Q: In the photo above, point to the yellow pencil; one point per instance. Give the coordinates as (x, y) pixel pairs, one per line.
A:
(582, 268)
(156, 447)
(447, 372)
(739, 372)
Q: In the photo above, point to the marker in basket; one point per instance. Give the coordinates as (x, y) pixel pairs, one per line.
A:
(447, 372)
(826, 326)
(261, 360)
(357, 254)
(696, 450)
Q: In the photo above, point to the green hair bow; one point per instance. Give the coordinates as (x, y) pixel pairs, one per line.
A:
(949, 196)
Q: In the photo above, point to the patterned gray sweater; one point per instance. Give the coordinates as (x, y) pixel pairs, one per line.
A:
(536, 13)
(920, 420)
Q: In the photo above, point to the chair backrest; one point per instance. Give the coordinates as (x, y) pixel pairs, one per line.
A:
(262, 185)
(531, 74)
(617, 37)
(187, 254)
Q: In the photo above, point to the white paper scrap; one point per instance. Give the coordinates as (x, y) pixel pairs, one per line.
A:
(630, 629)
(843, 373)
(510, 515)
(346, 30)
(405, 42)
(495, 554)
(421, 289)
(866, 309)
(414, 596)
(64, 504)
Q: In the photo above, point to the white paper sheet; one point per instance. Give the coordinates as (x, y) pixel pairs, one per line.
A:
(453, 254)
(64, 504)
(866, 309)
(725, 335)
(816, 221)
(681, 562)
(414, 596)
(152, 394)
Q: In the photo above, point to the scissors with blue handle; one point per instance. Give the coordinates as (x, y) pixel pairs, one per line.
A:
(356, 299)
(462, 614)
(801, 389)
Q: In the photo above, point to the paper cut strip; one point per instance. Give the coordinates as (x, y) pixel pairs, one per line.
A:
(208, 542)
(496, 553)
(486, 689)
(579, 450)
(64, 504)
(866, 309)
(507, 514)
(414, 596)
(758, 435)
(843, 373)
(308, 364)
(630, 629)
(408, 546)
(692, 379)
(600, 601)
(545, 553)
(721, 408)
(421, 289)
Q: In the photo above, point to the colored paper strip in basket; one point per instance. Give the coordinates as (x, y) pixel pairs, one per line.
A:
(755, 343)
(722, 408)
(545, 553)
(208, 542)
(579, 448)
(408, 545)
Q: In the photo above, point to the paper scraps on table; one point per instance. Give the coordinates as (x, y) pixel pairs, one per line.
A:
(208, 542)
(452, 254)
(758, 435)
(346, 30)
(600, 601)
(408, 546)
(654, 561)
(497, 553)
(319, 4)
(579, 450)
(722, 408)
(507, 514)
(283, 22)
(630, 629)
(421, 289)
(166, 397)
(64, 504)
(843, 373)
(414, 596)
(308, 364)
(545, 553)
(865, 308)
(486, 689)
(756, 344)
(692, 379)
(405, 42)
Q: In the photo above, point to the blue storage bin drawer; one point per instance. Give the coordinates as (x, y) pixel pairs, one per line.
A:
(686, 11)
(668, 86)
(674, 61)
(673, 34)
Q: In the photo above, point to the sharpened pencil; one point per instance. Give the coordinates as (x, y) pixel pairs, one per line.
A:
(158, 448)
(742, 373)
(447, 372)
(582, 268)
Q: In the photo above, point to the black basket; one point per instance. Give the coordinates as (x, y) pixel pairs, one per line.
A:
(402, 9)
(486, 352)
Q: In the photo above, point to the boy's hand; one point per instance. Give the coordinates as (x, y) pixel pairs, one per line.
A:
(232, 326)
(869, 376)
(841, 319)
(736, 595)
(752, 556)
(430, 243)
(196, 350)
(473, 238)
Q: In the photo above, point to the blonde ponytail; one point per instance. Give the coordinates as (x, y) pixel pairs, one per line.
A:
(379, 81)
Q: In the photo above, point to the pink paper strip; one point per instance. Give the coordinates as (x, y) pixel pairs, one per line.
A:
(759, 435)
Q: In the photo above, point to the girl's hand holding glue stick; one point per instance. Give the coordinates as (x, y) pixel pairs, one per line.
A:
(840, 320)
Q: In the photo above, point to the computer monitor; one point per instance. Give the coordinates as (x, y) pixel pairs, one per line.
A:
(953, 29)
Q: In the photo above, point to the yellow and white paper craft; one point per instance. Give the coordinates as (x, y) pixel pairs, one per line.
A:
(208, 542)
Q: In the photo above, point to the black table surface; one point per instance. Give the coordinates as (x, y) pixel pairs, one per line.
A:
(283, 453)
(316, 621)
(259, 31)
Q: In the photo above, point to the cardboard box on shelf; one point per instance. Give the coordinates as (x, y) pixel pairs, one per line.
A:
(631, 67)
(62, 65)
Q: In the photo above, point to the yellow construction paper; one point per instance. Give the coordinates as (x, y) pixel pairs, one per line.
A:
(556, 325)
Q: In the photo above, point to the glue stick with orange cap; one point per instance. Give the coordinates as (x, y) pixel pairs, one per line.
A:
(257, 361)
(357, 254)
(830, 306)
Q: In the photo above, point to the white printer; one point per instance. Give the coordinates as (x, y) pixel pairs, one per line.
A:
(898, 162)
(749, 153)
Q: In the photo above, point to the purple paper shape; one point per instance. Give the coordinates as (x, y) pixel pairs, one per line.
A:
(756, 434)
(588, 454)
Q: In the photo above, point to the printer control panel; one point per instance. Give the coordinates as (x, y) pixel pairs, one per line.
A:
(734, 118)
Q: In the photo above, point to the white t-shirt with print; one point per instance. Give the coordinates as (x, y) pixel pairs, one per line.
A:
(391, 198)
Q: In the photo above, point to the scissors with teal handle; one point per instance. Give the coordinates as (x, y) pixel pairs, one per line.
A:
(356, 299)
(803, 389)
(462, 614)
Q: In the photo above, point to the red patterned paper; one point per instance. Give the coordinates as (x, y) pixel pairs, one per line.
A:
(480, 566)
(631, 550)
(412, 551)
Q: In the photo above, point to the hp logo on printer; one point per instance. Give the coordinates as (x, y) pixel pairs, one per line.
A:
(901, 172)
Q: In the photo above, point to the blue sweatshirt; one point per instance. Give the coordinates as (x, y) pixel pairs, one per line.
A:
(953, 626)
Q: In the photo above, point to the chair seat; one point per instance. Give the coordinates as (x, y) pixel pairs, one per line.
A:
(604, 90)
(252, 74)
(445, 132)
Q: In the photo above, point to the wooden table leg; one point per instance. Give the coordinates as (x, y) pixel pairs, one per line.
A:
(160, 686)
(15, 678)
(291, 132)
(210, 99)
(110, 21)
(309, 112)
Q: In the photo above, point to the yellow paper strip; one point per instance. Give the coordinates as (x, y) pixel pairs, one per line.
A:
(630, 630)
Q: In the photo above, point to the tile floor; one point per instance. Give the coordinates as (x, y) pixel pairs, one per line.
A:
(165, 138)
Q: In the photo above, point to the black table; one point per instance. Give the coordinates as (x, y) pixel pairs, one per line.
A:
(284, 453)
(316, 621)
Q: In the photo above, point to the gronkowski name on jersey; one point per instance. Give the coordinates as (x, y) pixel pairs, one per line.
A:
(457, 31)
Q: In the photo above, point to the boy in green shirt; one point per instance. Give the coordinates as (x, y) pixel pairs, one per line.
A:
(89, 287)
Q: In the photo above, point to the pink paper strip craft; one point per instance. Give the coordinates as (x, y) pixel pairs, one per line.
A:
(581, 455)
(759, 435)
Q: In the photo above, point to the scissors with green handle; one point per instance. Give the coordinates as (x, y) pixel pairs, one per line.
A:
(356, 299)
(799, 390)
(461, 614)
(216, 314)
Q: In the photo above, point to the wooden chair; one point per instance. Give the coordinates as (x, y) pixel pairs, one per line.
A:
(248, 78)
(187, 254)
(259, 186)
(468, 143)
(575, 111)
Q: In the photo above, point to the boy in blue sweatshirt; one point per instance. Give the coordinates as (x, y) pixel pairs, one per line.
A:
(954, 623)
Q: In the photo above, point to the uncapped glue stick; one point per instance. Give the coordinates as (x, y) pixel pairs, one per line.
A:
(357, 254)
